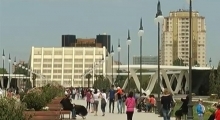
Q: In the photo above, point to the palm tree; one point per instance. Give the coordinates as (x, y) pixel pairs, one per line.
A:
(34, 80)
(89, 76)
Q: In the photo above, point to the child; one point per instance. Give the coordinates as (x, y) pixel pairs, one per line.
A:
(200, 109)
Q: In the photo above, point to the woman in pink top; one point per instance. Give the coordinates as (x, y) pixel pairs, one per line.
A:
(130, 103)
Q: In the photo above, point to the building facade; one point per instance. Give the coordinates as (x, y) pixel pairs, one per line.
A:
(175, 38)
(66, 65)
(147, 60)
(101, 41)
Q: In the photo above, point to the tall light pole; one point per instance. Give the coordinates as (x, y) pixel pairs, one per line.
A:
(119, 50)
(3, 65)
(19, 75)
(190, 105)
(140, 34)
(9, 70)
(15, 66)
(23, 67)
(159, 20)
(112, 54)
(210, 62)
(128, 44)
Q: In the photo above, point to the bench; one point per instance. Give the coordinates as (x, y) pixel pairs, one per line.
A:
(58, 107)
(42, 115)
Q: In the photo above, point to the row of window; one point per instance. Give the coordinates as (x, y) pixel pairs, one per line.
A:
(67, 52)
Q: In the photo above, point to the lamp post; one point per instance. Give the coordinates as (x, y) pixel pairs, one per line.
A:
(190, 105)
(3, 65)
(140, 34)
(15, 66)
(19, 75)
(27, 73)
(9, 70)
(210, 62)
(128, 44)
(23, 67)
(159, 20)
(112, 54)
(119, 50)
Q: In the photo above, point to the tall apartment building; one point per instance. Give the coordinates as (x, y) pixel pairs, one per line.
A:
(147, 60)
(100, 41)
(175, 38)
(66, 65)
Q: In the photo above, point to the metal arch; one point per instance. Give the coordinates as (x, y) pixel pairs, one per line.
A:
(153, 81)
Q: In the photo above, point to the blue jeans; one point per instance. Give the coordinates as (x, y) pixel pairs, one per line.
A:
(166, 114)
(119, 105)
(73, 113)
(148, 106)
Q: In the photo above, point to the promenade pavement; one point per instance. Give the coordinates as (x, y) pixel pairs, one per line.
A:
(116, 116)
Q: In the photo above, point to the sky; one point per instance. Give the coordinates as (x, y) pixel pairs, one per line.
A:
(40, 23)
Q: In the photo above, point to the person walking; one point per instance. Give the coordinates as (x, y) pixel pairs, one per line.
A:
(103, 101)
(119, 100)
(123, 101)
(96, 97)
(166, 101)
(130, 104)
(88, 99)
(111, 99)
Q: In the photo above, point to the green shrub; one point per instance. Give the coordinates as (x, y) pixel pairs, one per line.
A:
(11, 110)
(35, 99)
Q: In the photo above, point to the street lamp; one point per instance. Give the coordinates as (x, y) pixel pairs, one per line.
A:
(27, 73)
(210, 62)
(159, 20)
(128, 44)
(119, 50)
(3, 71)
(112, 54)
(9, 70)
(140, 34)
(15, 65)
(23, 67)
(19, 77)
(190, 105)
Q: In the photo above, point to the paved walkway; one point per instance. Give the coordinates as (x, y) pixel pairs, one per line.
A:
(115, 116)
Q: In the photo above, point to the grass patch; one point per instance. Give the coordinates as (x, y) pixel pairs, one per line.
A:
(206, 115)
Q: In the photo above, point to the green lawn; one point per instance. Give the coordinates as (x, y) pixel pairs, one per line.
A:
(206, 115)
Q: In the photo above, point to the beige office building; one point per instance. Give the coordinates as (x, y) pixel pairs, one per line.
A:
(66, 65)
(175, 38)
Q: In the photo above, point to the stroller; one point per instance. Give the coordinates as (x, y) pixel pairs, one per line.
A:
(141, 106)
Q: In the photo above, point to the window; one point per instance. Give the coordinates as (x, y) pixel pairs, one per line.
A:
(78, 65)
(57, 71)
(88, 60)
(46, 71)
(58, 52)
(37, 60)
(47, 65)
(47, 52)
(67, 77)
(37, 52)
(67, 71)
(57, 65)
(57, 60)
(67, 65)
(67, 60)
(47, 60)
(37, 65)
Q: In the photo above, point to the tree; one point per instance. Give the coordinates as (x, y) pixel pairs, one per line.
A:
(196, 63)
(34, 76)
(89, 76)
(3, 71)
(19, 70)
(214, 81)
(178, 62)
